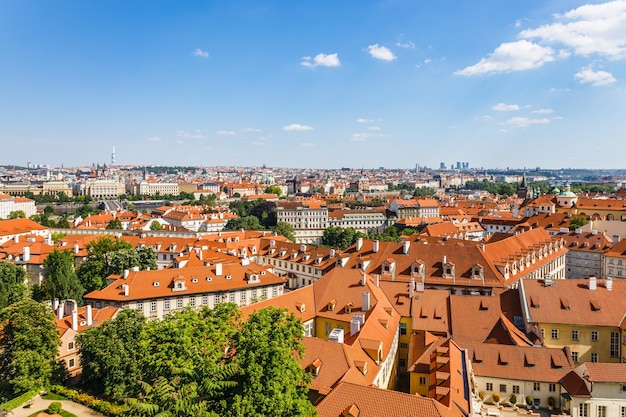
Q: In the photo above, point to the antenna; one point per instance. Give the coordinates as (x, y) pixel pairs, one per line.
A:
(113, 156)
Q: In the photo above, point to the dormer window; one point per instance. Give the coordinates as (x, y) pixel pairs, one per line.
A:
(301, 307)
(179, 285)
(228, 277)
(253, 279)
(478, 271)
(294, 255)
(331, 305)
(449, 270)
(349, 307)
(194, 280)
(155, 284)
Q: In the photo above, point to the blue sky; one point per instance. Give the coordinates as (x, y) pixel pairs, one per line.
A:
(325, 84)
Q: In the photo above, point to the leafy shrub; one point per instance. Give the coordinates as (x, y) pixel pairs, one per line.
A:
(513, 399)
(54, 408)
(496, 397)
(529, 400)
(481, 394)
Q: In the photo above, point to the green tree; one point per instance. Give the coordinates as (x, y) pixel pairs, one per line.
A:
(577, 222)
(340, 238)
(63, 223)
(30, 341)
(247, 223)
(285, 229)
(17, 214)
(13, 286)
(274, 189)
(99, 264)
(112, 354)
(115, 224)
(61, 280)
(147, 258)
(156, 226)
(270, 382)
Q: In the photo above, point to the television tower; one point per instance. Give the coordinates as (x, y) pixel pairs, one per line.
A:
(113, 156)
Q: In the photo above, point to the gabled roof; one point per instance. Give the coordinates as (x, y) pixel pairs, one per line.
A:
(19, 226)
(374, 402)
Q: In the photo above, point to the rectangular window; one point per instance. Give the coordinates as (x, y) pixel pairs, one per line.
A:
(179, 303)
(264, 292)
(166, 305)
(575, 356)
(622, 411)
(404, 345)
(402, 329)
(217, 299)
(583, 410)
(70, 346)
(594, 336)
(242, 296)
(536, 386)
(71, 363)
(254, 293)
(552, 387)
(515, 389)
(192, 301)
(554, 333)
(601, 411)
(503, 388)
(574, 334)
(231, 297)
(153, 305)
(402, 363)
(594, 357)
(274, 291)
(422, 380)
(205, 300)
(489, 386)
(140, 306)
(614, 347)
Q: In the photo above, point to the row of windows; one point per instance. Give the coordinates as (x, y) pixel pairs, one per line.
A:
(515, 389)
(204, 300)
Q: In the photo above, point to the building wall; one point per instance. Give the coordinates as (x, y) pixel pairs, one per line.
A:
(525, 388)
(584, 346)
(583, 264)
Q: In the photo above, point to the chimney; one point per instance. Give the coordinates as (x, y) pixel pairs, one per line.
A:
(76, 248)
(89, 316)
(126, 290)
(444, 260)
(363, 279)
(332, 253)
(365, 301)
(592, 283)
(75, 320)
(272, 243)
(412, 288)
(26, 254)
(609, 284)
(200, 255)
(126, 273)
(405, 247)
(578, 231)
(218, 269)
(55, 304)
(375, 246)
(60, 311)
(594, 232)
(355, 326)
(16, 239)
(377, 280)
(135, 269)
(302, 248)
(359, 243)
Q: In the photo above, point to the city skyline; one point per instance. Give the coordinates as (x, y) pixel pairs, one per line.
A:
(324, 84)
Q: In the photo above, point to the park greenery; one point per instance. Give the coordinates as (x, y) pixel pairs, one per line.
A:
(339, 238)
(199, 363)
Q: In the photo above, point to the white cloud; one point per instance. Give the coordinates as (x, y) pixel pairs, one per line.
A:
(321, 60)
(196, 134)
(251, 130)
(375, 128)
(154, 139)
(307, 144)
(226, 133)
(505, 107)
(427, 61)
(596, 78)
(296, 127)
(511, 56)
(362, 120)
(359, 137)
(543, 111)
(525, 122)
(589, 29)
(257, 143)
(405, 45)
(200, 53)
(381, 52)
